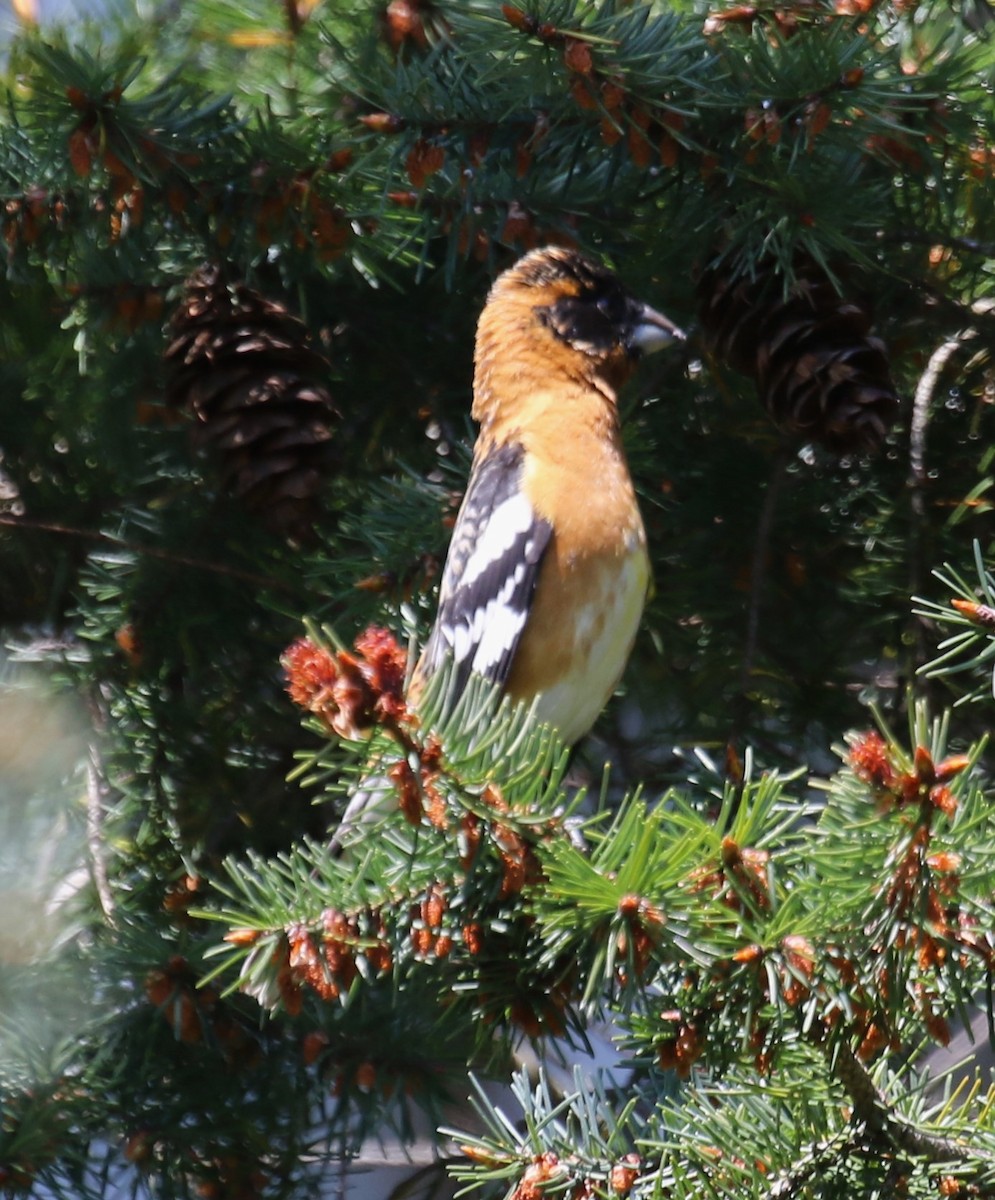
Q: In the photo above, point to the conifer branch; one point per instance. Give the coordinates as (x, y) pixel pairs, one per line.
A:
(380, 170)
(873, 1112)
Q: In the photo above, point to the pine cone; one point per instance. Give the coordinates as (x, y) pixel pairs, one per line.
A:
(819, 371)
(242, 366)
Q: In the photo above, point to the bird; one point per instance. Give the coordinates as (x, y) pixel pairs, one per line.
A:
(547, 572)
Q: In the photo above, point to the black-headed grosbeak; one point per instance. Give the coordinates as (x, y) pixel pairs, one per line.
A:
(547, 571)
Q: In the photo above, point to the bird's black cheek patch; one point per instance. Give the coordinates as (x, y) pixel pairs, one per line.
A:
(581, 323)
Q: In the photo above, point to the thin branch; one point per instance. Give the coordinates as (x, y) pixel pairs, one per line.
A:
(94, 834)
(917, 479)
(872, 1110)
(96, 789)
(925, 390)
(758, 565)
(813, 1162)
(182, 560)
(761, 545)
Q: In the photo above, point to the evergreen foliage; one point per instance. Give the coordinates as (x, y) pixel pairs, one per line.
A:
(202, 994)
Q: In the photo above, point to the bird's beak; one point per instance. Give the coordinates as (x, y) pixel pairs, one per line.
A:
(651, 330)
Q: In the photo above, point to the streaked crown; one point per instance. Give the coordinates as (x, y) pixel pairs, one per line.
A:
(584, 305)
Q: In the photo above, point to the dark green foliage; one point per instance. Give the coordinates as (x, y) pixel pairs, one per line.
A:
(369, 168)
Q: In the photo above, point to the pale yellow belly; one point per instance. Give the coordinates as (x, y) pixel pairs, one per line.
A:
(602, 638)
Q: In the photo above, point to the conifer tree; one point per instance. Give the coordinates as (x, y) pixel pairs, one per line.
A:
(245, 249)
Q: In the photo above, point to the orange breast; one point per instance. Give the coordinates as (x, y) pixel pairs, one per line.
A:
(592, 584)
(579, 636)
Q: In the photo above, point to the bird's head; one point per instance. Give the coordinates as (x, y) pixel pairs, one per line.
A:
(574, 314)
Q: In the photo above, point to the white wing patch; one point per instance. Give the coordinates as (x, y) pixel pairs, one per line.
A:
(490, 573)
(500, 625)
(508, 523)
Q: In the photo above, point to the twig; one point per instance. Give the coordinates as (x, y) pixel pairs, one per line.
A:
(183, 560)
(758, 568)
(918, 427)
(872, 1110)
(925, 390)
(813, 1161)
(94, 834)
(96, 789)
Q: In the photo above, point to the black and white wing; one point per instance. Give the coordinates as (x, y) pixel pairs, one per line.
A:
(490, 573)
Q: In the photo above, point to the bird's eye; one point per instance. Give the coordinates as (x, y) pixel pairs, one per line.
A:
(592, 321)
(610, 305)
